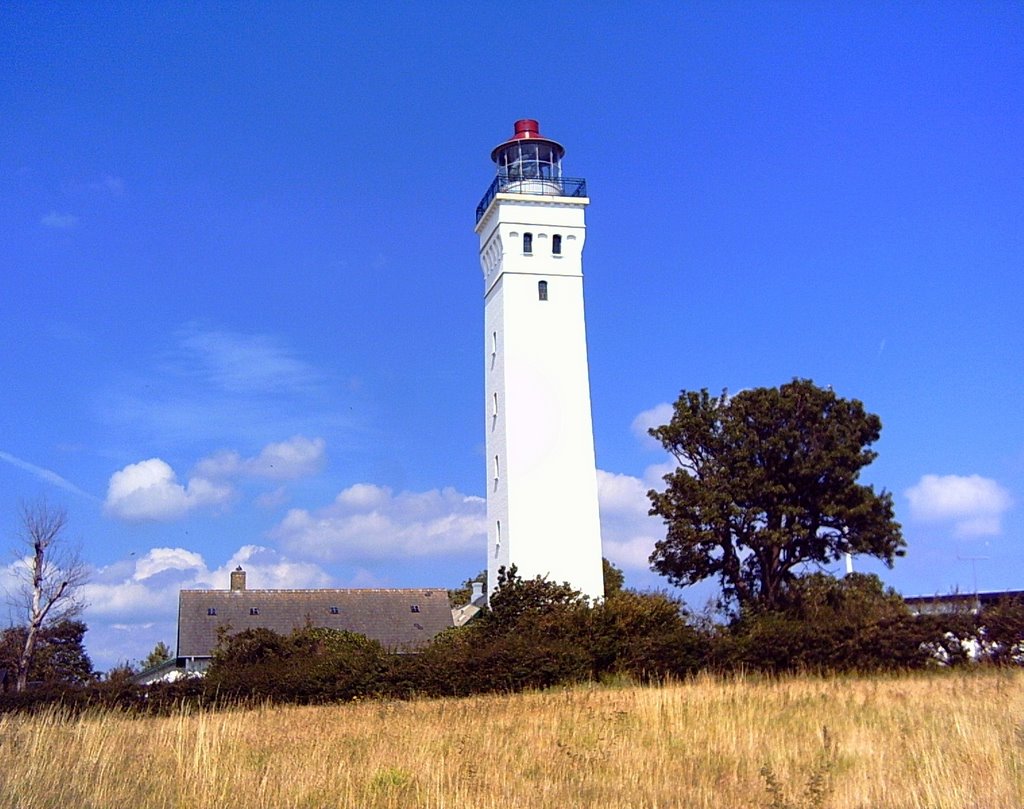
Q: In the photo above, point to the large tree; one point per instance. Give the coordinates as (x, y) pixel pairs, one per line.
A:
(49, 573)
(59, 655)
(767, 486)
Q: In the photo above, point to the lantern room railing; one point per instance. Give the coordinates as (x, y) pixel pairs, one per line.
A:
(543, 186)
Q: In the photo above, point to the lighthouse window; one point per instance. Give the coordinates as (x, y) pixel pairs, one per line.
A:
(497, 472)
(527, 242)
(542, 290)
(556, 244)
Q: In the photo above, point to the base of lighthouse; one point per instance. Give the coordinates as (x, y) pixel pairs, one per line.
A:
(542, 505)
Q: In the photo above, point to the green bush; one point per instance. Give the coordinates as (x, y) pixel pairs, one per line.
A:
(829, 624)
(309, 665)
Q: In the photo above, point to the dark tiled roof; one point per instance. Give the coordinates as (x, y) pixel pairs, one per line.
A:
(400, 620)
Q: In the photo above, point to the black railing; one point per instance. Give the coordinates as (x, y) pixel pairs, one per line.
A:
(546, 187)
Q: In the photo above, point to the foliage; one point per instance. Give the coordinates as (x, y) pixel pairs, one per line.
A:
(645, 636)
(1002, 631)
(161, 654)
(614, 578)
(310, 664)
(767, 484)
(59, 656)
(829, 624)
(518, 600)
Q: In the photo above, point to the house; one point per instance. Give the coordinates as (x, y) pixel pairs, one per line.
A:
(401, 620)
(958, 602)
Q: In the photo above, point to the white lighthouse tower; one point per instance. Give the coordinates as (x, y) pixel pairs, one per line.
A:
(541, 476)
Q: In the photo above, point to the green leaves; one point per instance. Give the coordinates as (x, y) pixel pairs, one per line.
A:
(766, 484)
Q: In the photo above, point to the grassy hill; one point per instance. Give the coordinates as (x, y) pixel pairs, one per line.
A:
(937, 740)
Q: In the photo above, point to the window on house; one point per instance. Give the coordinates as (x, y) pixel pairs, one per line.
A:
(254, 610)
(211, 610)
(527, 242)
(542, 290)
(414, 608)
(334, 610)
(556, 244)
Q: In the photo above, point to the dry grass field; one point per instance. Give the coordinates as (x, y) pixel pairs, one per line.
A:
(938, 740)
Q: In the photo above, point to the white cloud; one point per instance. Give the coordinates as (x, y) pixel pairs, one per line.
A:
(149, 490)
(59, 221)
(654, 475)
(654, 417)
(628, 533)
(297, 457)
(973, 504)
(371, 522)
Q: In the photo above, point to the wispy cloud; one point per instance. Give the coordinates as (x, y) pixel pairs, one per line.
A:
(110, 184)
(972, 503)
(59, 221)
(243, 362)
(224, 387)
(286, 460)
(46, 475)
(368, 522)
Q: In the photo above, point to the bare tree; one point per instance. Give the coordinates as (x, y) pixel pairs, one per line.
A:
(50, 574)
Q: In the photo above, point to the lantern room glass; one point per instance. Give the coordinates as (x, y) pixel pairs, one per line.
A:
(530, 160)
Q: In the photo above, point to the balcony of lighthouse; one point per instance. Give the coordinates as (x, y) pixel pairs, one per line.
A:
(536, 185)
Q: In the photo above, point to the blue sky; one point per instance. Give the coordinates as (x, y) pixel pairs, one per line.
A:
(242, 305)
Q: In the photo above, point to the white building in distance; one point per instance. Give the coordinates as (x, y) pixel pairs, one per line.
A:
(542, 505)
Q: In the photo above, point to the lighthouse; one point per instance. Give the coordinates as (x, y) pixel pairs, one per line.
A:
(542, 510)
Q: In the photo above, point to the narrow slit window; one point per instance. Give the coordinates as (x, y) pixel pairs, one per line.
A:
(527, 242)
(497, 537)
(556, 244)
(497, 472)
(542, 290)
(494, 406)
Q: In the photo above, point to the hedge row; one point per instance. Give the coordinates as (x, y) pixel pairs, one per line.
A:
(537, 634)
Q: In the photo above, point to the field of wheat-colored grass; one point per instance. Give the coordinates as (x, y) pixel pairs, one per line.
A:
(937, 740)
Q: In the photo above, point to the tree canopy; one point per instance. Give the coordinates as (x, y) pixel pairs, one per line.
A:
(59, 656)
(767, 485)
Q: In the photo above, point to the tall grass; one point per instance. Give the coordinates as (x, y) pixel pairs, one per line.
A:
(938, 740)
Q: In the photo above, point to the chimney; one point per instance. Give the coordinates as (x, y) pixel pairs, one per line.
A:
(478, 592)
(237, 580)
